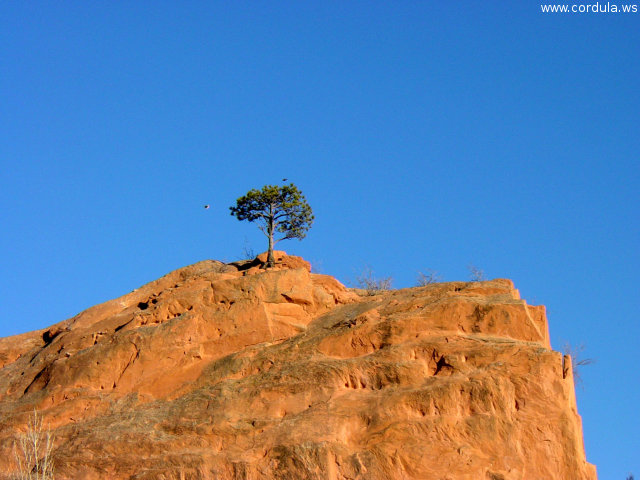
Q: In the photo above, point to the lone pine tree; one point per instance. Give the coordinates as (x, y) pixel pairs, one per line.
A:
(276, 210)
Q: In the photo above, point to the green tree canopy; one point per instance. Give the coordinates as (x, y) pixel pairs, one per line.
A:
(276, 210)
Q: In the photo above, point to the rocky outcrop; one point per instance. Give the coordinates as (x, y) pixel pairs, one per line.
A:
(230, 371)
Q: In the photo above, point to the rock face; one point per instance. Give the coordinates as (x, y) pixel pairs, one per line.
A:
(220, 371)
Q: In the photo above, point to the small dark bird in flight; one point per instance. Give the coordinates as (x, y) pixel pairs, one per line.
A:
(206, 206)
(284, 179)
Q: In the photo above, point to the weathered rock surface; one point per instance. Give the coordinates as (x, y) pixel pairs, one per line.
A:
(223, 372)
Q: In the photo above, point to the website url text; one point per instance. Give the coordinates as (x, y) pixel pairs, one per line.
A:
(589, 8)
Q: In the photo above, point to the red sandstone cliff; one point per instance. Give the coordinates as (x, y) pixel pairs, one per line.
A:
(231, 372)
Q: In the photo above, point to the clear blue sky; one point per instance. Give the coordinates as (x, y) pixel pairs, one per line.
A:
(425, 135)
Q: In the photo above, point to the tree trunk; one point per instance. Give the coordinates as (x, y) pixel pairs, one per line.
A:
(270, 258)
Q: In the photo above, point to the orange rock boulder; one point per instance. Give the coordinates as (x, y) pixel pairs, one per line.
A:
(230, 371)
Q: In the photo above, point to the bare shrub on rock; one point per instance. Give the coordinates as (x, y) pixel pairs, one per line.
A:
(476, 274)
(577, 362)
(368, 281)
(33, 452)
(427, 278)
